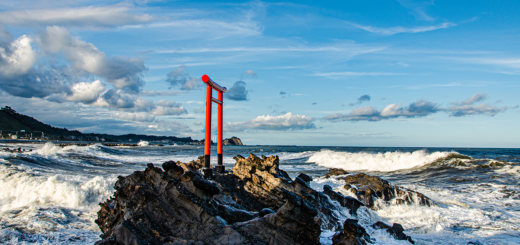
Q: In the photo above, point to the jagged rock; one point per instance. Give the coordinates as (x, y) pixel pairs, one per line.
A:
(352, 234)
(233, 141)
(180, 207)
(335, 172)
(396, 230)
(256, 204)
(369, 188)
(266, 182)
(306, 178)
(380, 225)
(348, 202)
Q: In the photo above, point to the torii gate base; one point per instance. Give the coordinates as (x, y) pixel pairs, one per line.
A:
(207, 171)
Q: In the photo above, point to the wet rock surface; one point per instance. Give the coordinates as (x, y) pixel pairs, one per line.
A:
(369, 188)
(335, 172)
(352, 234)
(396, 230)
(256, 203)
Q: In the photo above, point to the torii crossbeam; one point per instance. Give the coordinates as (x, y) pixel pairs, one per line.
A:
(207, 170)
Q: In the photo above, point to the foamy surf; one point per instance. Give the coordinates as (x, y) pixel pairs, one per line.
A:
(21, 189)
(50, 195)
(383, 162)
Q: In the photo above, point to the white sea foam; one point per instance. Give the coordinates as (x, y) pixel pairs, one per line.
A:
(284, 156)
(143, 143)
(482, 213)
(385, 162)
(46, 208)
(20, 189)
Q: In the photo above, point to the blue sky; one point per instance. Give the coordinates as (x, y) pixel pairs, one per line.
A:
(345, 73)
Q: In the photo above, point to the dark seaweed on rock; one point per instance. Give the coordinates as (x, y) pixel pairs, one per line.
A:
(256, 204)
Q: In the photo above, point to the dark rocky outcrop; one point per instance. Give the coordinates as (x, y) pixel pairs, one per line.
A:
(256, 204)
(266, 182)
(349, 202)
(335, 172)
(369, 188)
(233, 141)
(176, 206)
(396, 230)
(352, 234)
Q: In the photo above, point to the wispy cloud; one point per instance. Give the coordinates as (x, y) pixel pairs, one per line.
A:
(399, 29)
(352, 73)
(90, 16)
(422, 86)
(417, 8)
(503, 62)
(338, 48)
(184, 64)
(155, 93)
(211, 29)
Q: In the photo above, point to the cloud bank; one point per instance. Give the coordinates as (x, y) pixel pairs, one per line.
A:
(420, 108)
(57, 67)
(268, 122)
(467, 107)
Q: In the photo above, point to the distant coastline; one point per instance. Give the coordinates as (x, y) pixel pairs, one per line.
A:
(19, 128)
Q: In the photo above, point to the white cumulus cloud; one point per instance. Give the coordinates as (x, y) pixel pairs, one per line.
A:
(86, 92)
(18, 57)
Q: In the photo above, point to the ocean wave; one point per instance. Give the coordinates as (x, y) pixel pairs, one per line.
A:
(49, 149)
(383, 162)
(20, 189)
(285, 156)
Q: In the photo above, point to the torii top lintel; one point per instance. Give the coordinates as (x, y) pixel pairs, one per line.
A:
(214, 85)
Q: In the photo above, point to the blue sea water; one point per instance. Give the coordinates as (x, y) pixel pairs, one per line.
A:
(50, 195)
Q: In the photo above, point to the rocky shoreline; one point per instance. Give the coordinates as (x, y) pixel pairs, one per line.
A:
(255, 203)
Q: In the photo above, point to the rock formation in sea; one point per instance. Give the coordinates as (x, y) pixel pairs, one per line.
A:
(255, 203)
(369, 188)
(233, 141)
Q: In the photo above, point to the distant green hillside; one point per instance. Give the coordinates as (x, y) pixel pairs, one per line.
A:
(10, 120)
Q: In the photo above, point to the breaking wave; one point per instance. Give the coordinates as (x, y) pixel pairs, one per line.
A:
(22, 189)
(383, 162)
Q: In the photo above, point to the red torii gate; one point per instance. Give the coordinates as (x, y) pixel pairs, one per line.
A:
(207, 170)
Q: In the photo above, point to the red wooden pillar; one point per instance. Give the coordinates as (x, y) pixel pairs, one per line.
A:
(220, 132)
(207, 141)
(207, 170)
